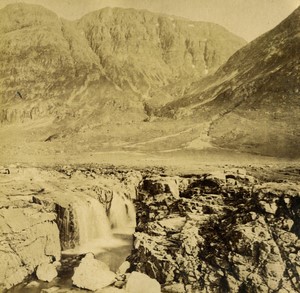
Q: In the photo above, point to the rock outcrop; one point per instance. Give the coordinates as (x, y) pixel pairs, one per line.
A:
(225, 234)
(29, 237)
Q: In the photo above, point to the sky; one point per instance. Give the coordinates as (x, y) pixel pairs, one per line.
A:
(246, 18)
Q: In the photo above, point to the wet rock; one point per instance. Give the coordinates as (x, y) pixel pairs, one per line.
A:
(92, 274)
(46, 272)
(119, 284)
(270, 208)
(32, 284)
(138, 282)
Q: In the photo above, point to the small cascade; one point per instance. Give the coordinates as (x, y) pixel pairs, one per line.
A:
(91, 220)
(122, 213)
(96, 229)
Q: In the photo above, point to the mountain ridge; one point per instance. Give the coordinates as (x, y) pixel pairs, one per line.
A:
(258, 88)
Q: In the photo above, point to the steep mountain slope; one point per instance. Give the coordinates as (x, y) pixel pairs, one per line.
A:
(47, 69)
(147, 50)
(253, 99)
(97, 79)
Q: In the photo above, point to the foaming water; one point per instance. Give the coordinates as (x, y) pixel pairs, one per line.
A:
(97, 230)
(122, 212)
(91, 220)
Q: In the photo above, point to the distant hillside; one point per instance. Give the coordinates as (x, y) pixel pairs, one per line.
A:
(110, 61)
(252, 101)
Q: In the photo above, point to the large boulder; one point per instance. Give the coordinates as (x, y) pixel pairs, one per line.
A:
(92, 274)
(46, 272)
(138, 282)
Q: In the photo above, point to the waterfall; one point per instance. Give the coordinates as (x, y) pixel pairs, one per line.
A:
(92, 221)
(122, 213)
(94, 229)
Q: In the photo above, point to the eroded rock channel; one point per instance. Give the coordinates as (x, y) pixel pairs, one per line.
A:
(228, 231)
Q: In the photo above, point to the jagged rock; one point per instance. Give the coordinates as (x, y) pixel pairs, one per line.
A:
(46, 272)
(237, 238)
(158, 185)
(92, 274)
(138, 282)
(270, 208)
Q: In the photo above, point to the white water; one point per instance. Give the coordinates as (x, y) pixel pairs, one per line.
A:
(122, 213)
(91, 219)
(96, 230)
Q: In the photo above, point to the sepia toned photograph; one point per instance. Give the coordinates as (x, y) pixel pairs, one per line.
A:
(150, 146)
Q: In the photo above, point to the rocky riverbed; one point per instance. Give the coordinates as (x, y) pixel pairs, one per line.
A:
(225, 230)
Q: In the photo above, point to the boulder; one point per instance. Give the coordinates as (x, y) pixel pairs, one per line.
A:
(32, 284)
(46, 272)
(92, 274)
(124, 267)
(138, 282)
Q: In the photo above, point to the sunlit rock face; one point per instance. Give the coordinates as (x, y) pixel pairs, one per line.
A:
(92, 274)
(29, 237)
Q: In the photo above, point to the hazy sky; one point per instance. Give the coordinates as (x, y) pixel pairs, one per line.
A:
(246, 18)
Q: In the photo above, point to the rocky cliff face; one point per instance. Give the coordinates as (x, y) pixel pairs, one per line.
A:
(252, 100)
(147, 50)
(29, 237)
(224, 233)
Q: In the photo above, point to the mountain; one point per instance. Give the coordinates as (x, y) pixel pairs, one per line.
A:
(148, 51)
(252, 101)
(98, 80)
